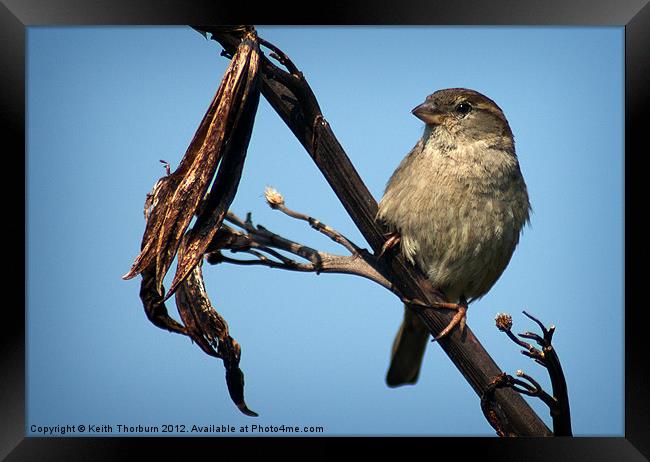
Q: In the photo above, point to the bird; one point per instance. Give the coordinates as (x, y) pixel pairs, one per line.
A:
(456, 206)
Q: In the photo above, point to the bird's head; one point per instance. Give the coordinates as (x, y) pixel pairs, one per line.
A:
(465, 114)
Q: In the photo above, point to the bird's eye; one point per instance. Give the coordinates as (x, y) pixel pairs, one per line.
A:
(463, 108)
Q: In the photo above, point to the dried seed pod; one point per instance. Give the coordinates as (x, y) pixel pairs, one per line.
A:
(210, 331)
(215, 206)
(180, 196)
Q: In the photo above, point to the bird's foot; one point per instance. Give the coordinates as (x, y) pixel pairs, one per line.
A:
(391, 241)
(459, 319)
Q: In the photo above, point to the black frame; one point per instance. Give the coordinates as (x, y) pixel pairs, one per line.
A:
(16, 15)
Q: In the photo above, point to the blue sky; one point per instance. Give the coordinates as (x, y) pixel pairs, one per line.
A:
(105, 104)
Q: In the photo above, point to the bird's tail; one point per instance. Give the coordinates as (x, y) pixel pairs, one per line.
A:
(408, 350)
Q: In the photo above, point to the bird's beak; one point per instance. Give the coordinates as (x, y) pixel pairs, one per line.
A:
(429, 113)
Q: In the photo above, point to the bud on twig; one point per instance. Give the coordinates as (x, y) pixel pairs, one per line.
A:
(503, 321)
(273, 197)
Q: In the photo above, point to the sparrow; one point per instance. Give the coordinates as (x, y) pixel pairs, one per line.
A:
(456, 206)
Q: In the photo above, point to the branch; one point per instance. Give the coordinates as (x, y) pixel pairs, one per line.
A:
(292, 98)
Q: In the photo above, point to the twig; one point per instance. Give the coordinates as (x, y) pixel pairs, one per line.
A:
(258, 240)
(533, 388)
(558, 403)
(275, 200)
(281, 57)
(504, 324)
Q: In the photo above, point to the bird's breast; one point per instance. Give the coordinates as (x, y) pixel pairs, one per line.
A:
(459, 215)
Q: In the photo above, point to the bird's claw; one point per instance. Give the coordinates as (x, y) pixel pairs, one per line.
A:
(459, 319)
(392, 240)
